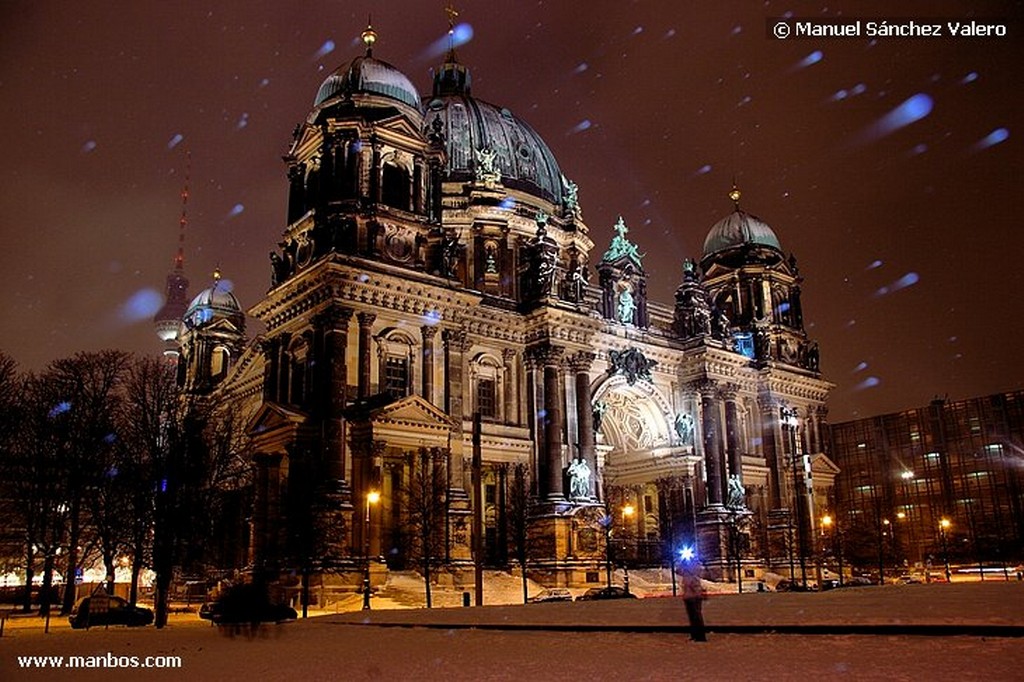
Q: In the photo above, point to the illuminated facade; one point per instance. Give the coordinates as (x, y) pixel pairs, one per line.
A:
(436, 266)
(902, 473)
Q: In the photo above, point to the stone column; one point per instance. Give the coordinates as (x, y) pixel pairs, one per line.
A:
(733, 447)
(334, 394)
(270, 350)
(511, 406)
(428, 333)
(712, 441)
(534, 405)
(553, 422)
(366, 321)
(772, 443)
(455, 345)
(580, 365)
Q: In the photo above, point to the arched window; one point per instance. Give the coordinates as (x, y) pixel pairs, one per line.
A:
(487, 377)
(220, 360)
(396, 188)
(395, 352)
(298, 354)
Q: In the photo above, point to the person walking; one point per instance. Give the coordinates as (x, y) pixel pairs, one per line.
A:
(693, 597)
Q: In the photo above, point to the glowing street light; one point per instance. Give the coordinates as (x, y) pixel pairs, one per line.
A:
(944, 525)
(627, 513)
(826, 524)
(372, 497)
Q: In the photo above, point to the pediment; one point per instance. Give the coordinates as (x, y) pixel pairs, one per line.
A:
(272, 417)
(412, 411)
(401, 126)
(820, 463)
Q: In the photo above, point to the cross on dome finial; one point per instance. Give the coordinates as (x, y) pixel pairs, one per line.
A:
(369, 36)
(216, 274)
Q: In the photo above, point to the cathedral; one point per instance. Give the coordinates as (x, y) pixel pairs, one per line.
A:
(454, 374)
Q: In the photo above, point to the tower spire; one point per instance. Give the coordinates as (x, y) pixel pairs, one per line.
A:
(168, 319)
(179, 257)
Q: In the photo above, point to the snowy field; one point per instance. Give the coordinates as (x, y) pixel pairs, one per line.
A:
(344, 646)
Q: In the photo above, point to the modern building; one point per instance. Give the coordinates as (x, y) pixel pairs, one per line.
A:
(435, 334)
(902, 474)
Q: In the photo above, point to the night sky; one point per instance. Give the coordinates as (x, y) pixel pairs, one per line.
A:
(891, 169)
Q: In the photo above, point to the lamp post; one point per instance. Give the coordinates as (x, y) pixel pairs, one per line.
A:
(372, 497)
(606, 523)
(944, 524)
(837, 547)
(627, 513)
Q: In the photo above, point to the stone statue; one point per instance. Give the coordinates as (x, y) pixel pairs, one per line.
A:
(572, 204)
(487, 172)
(812, 357)
(278, 269)
(737, 497)
(684, 428)
(626, 307)
(721, 324)
(579, 479)
(449, 255)
(491, 264)
(598, 415)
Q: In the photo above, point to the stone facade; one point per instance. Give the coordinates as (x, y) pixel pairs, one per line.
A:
(436, 266)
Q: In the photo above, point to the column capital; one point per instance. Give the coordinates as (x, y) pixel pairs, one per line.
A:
(366, 319)
(581, 361)
(545, 354)
(729, 391)
(334, 317)
(428, 332)
(708, 388)
(508, 355)
(455, 339)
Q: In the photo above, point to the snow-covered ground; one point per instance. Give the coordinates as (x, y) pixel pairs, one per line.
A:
(343, 647)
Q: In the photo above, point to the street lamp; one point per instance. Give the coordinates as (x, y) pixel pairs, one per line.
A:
(837, 548)
(627, 513)
(372, 497)
(944, 525)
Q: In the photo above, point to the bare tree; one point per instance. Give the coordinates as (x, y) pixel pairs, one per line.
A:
(519, 518)
(425, 509)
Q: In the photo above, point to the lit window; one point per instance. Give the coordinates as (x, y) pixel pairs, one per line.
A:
(485, 398)
(396, 376)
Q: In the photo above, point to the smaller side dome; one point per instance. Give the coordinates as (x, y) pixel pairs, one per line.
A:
(366, 75)
(739, 228)
(213, 304)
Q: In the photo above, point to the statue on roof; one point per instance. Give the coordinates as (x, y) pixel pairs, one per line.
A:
(571, 198)
(621, 246)
(487, 171)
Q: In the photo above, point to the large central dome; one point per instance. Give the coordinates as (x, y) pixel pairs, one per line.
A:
(470, 125)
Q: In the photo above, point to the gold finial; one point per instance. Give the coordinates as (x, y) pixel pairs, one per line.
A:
(735, 195)
(452, 15)
(216, 274)
(369, 36)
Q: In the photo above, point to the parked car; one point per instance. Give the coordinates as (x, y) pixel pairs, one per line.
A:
(791, 586)
(613, 592)
(246, 604)
(107, 610)
(551, 594)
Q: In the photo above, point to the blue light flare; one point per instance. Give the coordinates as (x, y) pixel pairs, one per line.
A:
(460, 35)
(704, 170)
(325, 49)
(909, 111)
(236, 210)
(60, 408)
(907, 280)
(175, 140)
(812, 58)
(88, 146)
(141, 305)
(585, 124)
(687, 553)
(969, 78)
(870, 382)
(861, 366)
(997, 136)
